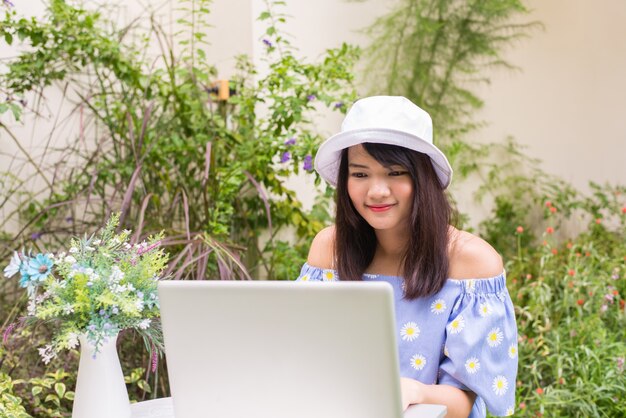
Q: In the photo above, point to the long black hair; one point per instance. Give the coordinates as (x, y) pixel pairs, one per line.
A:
(425, 260)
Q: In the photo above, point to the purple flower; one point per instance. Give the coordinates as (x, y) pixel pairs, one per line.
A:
(310, 97)
(8, 3)
(291, 141)
(603, 308)
(268, 43)
(286, 157)
(338, 105)
(308, 163)
(608, 297)
(69, 219)
(102, 312)
(35, 236)
(91, 327)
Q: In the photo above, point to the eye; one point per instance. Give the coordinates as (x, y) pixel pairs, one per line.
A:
(358, 175)
(396, 173)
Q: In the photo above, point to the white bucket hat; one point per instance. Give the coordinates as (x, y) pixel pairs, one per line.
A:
(392, 120)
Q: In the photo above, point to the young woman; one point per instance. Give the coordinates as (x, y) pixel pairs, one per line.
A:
(455, 320)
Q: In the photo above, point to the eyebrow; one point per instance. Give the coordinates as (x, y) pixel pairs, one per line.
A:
(357, 165)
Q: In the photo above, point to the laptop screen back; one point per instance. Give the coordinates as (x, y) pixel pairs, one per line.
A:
(238, 349)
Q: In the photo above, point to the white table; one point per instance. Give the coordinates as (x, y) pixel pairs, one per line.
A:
(163, 408)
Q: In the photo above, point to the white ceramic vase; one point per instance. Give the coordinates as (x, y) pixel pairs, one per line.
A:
(100, 388)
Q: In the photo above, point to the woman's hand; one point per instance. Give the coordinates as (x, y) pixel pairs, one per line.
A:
(412, 392)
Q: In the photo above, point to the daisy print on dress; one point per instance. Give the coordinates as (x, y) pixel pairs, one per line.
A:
(509, 411)
(418, 361)
(329, 276)
(410, 331)
(305, 278)
(438, 306)
(485, 309)
(472, 365)
(457, 325)
(500, 385)
(513, 350)
(495, 337)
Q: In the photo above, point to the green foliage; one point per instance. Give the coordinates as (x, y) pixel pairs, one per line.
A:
(166, 153)
(10, 405)
(49, 396)
(433, 51)
(569, 289)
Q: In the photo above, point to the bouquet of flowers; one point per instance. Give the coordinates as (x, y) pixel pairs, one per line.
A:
(100, 286)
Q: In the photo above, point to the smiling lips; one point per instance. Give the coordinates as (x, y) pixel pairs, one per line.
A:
(380, 208)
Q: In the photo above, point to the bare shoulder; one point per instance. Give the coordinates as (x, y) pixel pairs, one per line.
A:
(472, 257)
(322, 251)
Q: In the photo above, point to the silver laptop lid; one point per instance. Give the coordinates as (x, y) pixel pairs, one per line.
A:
(239, 349)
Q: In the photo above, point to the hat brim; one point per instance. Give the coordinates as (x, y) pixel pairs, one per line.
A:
(328, 156)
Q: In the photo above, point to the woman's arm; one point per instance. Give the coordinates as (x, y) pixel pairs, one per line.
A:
(459, 402)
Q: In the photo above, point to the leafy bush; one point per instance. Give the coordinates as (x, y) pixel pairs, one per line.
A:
(569, 289)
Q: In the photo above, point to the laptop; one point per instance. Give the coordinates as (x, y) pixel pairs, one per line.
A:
(269, 349)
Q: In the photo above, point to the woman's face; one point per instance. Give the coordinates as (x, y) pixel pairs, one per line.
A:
(383, 196)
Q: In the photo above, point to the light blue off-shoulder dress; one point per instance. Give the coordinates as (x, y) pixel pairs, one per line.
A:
(464, 336)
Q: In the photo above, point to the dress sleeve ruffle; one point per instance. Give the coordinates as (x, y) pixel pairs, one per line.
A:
(316, 274)
(480, 351)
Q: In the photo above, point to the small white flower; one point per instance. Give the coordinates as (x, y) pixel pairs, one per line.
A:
(72, 340)
(418, 362)
(485, 309)
(69, 259)
(500, 385)
(90, 249)
(14, 266)
(47, 353)
(96, 242)
(32, 307)
(68, 308)
(456, 325)
(438, 306)
(73, 250)
(410, 331)
(513, 350)
(144, 324)
(495, 337)
(139, 304)
(472, 365)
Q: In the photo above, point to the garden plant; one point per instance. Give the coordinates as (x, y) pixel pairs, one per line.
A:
(154, 144)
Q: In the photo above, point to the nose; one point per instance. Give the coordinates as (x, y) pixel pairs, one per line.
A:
(378, 189)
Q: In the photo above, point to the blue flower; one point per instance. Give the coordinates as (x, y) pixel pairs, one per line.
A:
(286, 157)
(39, 267)
(338, 105)
(268, 43)
(308, 163)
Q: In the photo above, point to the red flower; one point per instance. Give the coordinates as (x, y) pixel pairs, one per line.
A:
(571, 272)
(553, 209)
(529, 276)
(549, 230)
(561, 381)
(621, 304)
(548, 203)
(554, 251)
(519, 229)
(590, 293)
(580, 302)
(599, 221)
(587, 254)
(624, 209)
(616, 292)
(578, 255)
(539, 391)
(522, 405)
(569, 245)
